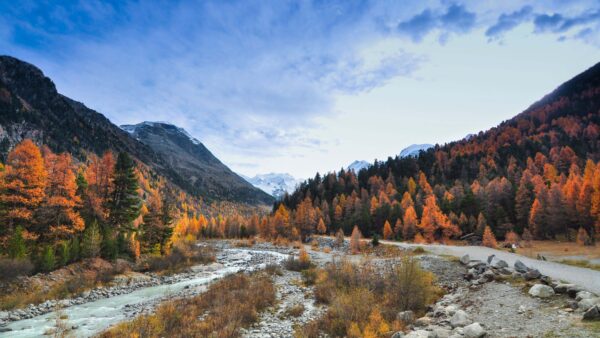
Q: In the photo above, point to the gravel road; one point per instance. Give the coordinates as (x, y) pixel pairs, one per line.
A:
(587, 278)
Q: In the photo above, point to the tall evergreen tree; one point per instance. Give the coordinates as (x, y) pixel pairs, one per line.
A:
(125, 203)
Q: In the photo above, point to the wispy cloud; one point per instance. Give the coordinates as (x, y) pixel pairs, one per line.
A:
(455, 19)
(508, 21)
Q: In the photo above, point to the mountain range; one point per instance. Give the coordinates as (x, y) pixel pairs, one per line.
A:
(275, 184)
(31, 107)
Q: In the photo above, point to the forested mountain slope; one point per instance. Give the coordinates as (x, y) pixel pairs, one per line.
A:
(535, 174)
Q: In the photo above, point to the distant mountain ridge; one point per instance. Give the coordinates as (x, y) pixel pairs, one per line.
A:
(31, 107)
(414, 149)
(275, 184)
(206, 173)
(357, 166)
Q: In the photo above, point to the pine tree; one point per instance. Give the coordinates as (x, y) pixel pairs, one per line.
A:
(48, 259)
(22, 186)
(16, 244)
(92, 241)
(124, 203)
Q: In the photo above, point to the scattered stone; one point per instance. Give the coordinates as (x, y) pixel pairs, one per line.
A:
(460, 319)
(406, 317)
(440, 332)
(562, 288)
(464, 260)
(398, 334)
(418, 334)
(520, 267)
(584, 295)
(5, 329)
(490, 259)
(423, 321)
(586, 304)
(592, 314)
(500, 264)
(541, 291)
(532, 274)
(474, 331)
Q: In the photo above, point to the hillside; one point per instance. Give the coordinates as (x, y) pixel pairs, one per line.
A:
(190, 158)
(31, 107)
(535, 175)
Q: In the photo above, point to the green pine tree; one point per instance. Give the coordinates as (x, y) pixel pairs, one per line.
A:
(63, 253)
(125, 203)
(16, 245)
(92, 241)
(75, 249)
(48, 259)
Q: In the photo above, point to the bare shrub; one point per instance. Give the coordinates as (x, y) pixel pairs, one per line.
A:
(13, 268)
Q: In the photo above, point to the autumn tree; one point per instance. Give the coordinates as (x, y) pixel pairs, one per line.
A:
(355, 240)
(409, 229)
(92, 240)
(98, 177)
(22, 187)
(321, 229)
(388, 233)
(58, 218)
(489, 239)
(434, 224)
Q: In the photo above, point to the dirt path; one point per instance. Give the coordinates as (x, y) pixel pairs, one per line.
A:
(587, 278)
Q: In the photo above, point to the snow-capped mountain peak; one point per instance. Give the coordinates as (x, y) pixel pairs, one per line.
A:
(357, 166)
(275, 184)
(414, 149)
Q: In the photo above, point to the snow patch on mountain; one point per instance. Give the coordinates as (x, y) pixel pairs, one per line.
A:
(275, 184)
(414, 149)
(131, 129)
(357, 166)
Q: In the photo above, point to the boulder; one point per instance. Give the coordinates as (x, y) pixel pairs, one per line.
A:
(406, 317)
(460, 319)
(398, 334)
(440, 332)
(490, 259)
(520, 267)
(464, 260)
(584, 295)
(474, 331)
(499, 264)
(423, 321)
(532, 274)
(418, 334)
(451, 309)
(592, 313)
(541, 291)
(562, 287)
(488, 276)
(573, 290)
(586, 304)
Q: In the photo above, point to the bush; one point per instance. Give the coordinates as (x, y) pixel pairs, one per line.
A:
(295, 310)
(302, 263)
(375, 240)
(227, 306)
(13, 268)
(182, 255)
(363, 300)
(16, 245)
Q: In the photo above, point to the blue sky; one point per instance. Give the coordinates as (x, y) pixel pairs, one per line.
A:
(306, 86)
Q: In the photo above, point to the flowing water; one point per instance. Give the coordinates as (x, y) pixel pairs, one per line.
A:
(94, 317)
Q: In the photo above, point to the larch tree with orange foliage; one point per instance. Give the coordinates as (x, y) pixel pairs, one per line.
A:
(355, 240)
(489, 239)
(434, 225)
(22, 187)
(98, 175)
(409, 229)
(57, 216)
(321, 228)
(388, 233)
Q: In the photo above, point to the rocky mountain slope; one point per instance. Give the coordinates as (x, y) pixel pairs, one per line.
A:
(190, 158)
(31, 107)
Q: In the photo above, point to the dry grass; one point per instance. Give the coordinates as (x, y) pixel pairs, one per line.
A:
(581, 263)
(182, 256)
(229, 305)
(244, 243)
(295, 310)
(557, 249)
(364, 299)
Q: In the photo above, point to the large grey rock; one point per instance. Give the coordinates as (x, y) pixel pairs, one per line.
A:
(440, 332)
(592, 314)
(464, 260)
(423, 321)
(520, 267)
(562, 287)
(573, 290)
(460, 319)
(499, 264)
(474, 331)
(580, 295)
(490, 259)
(407, 317)
(586, 304)
(417, 334)
(532, 274)
(541, 291)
